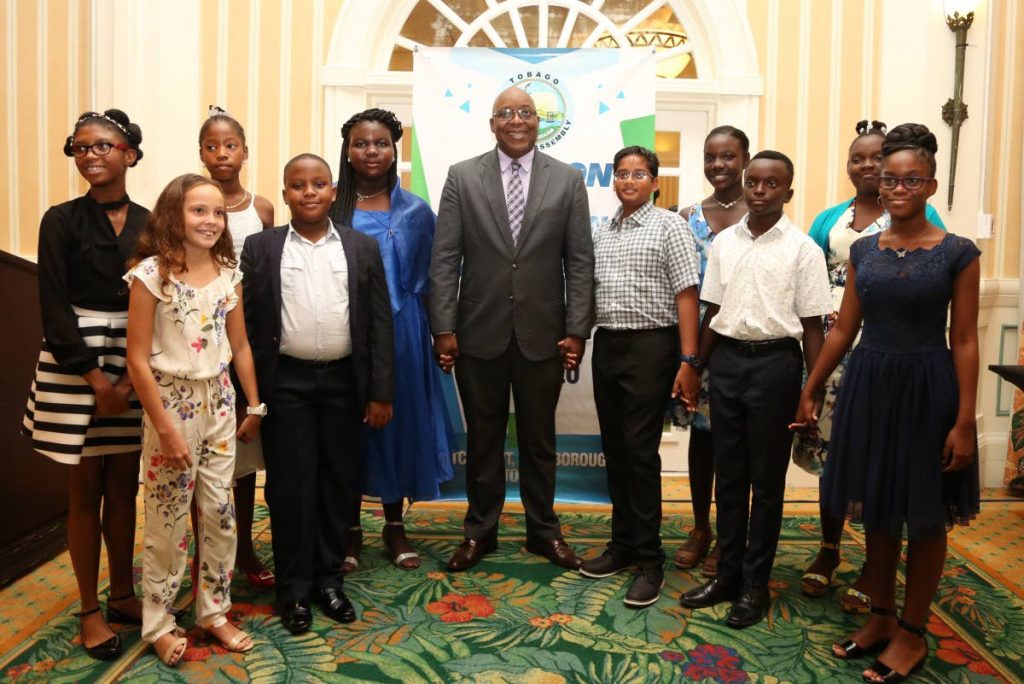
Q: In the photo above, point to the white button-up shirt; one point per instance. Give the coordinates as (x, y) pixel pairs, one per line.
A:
(314, 298)
(765, 285)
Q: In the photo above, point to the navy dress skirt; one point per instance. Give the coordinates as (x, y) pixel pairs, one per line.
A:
(899, 397)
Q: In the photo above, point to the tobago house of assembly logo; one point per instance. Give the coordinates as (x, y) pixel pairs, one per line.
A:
(552, 105)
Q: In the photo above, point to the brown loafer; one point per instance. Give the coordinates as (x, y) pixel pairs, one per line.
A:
(693, 549)
(556, 551)
(469, 553)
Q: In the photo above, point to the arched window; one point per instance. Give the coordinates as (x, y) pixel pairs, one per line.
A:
(707, 64)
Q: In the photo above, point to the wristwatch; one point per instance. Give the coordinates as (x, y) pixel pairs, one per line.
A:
(258, 410)
(693, 360)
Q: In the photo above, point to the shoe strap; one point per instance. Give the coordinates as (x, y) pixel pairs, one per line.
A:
(121, 598)
(394, 523)
(913, 629)
(356, 528)
(884, 612)
(830, 547)
(87, 613)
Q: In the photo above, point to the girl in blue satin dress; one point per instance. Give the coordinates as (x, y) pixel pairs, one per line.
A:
(411, 456)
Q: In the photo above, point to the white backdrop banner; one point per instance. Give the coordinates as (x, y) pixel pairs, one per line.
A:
(591, 103)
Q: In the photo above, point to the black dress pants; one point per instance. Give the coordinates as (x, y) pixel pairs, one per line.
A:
(484, 388)
(633, 372)
(754, 393)
(311, 448)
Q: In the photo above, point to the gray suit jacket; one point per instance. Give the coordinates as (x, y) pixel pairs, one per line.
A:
(541, 289)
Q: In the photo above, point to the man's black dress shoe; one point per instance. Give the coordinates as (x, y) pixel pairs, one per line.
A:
(336, 605)
(711, 594)
(750, 609)
(556, 551)
(296, 616)
(471, 552)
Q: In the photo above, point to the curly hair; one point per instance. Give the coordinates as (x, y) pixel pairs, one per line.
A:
(345, 202)
(164, 234)
(915, 137)
(115, 121)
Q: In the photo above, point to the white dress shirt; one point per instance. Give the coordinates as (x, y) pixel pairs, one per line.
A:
(526, 161)
(314, 298)
(765, 285)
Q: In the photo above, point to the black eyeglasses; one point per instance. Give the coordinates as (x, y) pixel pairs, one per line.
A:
(506, 113)
(638, 175)
(910, 182)
(100, 149)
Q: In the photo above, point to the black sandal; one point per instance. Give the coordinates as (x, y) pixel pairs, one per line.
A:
(889, 675)
(854, 650)
(119, 616)
(109, 649)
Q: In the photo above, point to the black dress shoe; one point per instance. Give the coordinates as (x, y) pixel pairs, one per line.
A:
(711, 594)
(556, 551)
(336, 605)
(751, 608)
(296, 616)
(470, 552)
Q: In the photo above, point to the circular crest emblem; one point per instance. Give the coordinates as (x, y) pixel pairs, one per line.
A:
(552, 106)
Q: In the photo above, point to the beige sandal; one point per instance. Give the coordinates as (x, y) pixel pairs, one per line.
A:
(354, 548)
(234, 645)
(170, 654)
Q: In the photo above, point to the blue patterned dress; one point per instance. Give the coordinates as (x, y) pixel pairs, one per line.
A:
(704, 236)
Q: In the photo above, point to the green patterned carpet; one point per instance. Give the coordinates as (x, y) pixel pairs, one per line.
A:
(517, 618)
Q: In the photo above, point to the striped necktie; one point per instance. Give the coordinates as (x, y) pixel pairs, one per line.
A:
(515, 200)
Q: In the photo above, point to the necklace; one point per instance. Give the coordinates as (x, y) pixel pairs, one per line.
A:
(726, 205)
(245, 196)
(360, 196)
(902, 252)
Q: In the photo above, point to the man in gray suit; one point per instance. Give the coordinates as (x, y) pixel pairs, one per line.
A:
(515, 224)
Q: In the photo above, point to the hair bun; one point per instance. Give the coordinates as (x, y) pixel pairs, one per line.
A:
(878, 127)
(862, 127)
(911, 135)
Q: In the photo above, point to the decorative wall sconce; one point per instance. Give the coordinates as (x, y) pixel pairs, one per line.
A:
(959, 16)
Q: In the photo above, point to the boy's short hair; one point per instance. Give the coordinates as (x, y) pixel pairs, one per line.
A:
(303, 157)
(777, 156)
(637, 151)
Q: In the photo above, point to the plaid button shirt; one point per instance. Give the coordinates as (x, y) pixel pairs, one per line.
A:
(641, 263)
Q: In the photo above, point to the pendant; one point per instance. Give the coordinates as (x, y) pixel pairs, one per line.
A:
(900, 253)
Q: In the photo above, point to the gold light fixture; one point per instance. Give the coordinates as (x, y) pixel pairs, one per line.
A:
(959, 16)
(662, 32)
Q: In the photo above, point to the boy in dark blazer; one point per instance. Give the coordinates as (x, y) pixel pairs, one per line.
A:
(319, 322)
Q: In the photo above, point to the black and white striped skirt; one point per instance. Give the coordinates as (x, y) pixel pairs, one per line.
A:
(59, 417)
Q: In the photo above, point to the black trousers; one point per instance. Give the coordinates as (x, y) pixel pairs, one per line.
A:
(311, 448)
(754, 394)
(633, 371)
(484, 388)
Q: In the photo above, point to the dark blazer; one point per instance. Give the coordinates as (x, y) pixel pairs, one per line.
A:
(541, 289)
(369, 310)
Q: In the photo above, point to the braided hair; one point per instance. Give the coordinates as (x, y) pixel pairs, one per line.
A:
(915, 137)
(345, 202)
(113, 120)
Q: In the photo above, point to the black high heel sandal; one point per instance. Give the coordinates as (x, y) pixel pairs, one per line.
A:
(854, 650)
(891, 676)
(109, 649)
(119, 616)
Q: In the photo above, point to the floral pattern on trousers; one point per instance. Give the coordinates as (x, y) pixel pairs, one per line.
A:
(203, 413)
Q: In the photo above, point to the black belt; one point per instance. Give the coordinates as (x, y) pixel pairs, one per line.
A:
(761, 346)
(308, 363)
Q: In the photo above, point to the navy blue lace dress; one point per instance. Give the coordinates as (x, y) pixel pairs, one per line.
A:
(899, 397)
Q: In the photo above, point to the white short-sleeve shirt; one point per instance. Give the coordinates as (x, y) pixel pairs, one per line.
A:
(765, 285)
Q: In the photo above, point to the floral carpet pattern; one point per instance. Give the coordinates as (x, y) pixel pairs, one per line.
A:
(517, 618)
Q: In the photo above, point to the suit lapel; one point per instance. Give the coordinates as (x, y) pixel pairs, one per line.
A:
(539, 174)
(490, 176)
(276, 250)
(352, 260)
